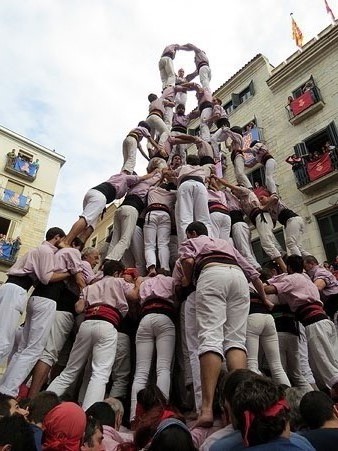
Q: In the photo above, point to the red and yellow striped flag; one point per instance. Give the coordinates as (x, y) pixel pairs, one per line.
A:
(297, 35)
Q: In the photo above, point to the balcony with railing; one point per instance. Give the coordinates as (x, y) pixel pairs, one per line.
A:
(305, 105)
(20, 167)
(9, 251)
(313, 174)
(14, 201)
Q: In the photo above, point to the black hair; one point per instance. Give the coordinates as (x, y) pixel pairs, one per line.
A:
(102, 412)
(152, 97)
(41, 405)
(316, 408)
(53, 232)
(193, 160)
(92, 425)
(110, 267)
(150, 397)
(231, 382)
(206, 159)
(78, 243)
(237, 129)
(145, 125)
(256, 395)
(15, 431)
(254, 142)
(180, 105)
(199, 227)
(310, 259)
(173, 437)
(296, 263)
(5, 406)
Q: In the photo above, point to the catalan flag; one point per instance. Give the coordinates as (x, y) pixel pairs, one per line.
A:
(329, 11)
(297, 35)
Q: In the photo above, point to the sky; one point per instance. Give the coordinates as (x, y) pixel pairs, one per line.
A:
(75, 74)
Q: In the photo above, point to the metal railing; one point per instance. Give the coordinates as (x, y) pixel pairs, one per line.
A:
(301, 171)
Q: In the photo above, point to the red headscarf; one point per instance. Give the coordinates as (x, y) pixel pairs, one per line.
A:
(64, 427)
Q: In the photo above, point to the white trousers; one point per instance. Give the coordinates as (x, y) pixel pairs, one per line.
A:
(129, 149)
(40, 315)
(124, 225)
(204, 127)
(240, 175)
(173, 249)
(134, 256)
(241, 236)
(157, 228)
(191, 205)
(270, 175)
(167, 71)
(184, 348)
(168, 116)
(222, 307)
(120, 374)
(220, 225)
(304, 356)
(289, 354)
(99, 338)
(158, 125)
(264, 226)
(205, 76)
(261, 330)
(94, 203)
(294, 231)
(157, 330)
(61, 328)
(13, 301)
(323, 351)
(192, 344)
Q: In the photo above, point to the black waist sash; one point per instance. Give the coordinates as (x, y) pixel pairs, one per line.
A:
(22, 281)
(191, 177)
(50, 291)
(107, 190)
(213, 257)
(286, 214)
(134, 201)
(310, 313)
(205, 105)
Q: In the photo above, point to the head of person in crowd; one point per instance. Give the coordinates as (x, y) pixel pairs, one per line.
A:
(54, 235)
(103, 413)
(15, 434)
(156, 163)
(193, 160)
(152, 97)
(237, 130)
(326, 265)
(113, 268)
(310, 263)
(196, 229)
(130, 274)
(295, 264)
(227, 390)
(172, 434)
(91, 255)
(318, 410)
(176, 161)
(180, 109)
(118, 409)
(180, 72)
(217, 101)
(39, 406)
(64, 427)
(77, 244)
(93, 437)
(9, 406)
(260, 410)
(144, 124)
(294, 396)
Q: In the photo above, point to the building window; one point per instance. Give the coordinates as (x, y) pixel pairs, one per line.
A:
(261, 256)
(257, 177)
(93, 242)
(229, 107)
(4, 225)
(328, 226)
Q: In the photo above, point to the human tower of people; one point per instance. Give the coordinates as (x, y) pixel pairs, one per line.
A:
(179, 262)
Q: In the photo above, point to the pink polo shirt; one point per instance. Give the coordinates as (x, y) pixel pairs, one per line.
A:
(122, 182)
(109, 290)
(141, 132)
(112, 437)
(200, 57)
(247, 198)
(204, 149)
(188, 170)
(319, 272)
(141, 188)
(68, 259)
(87, 272)
(217, 196)
(203, 245)
(232, 201)
(38, 263)
(295, 289)
(157, 195)
(184, 119)
(204, 96)
(158, 105)
(157, 287)
(170, 49)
